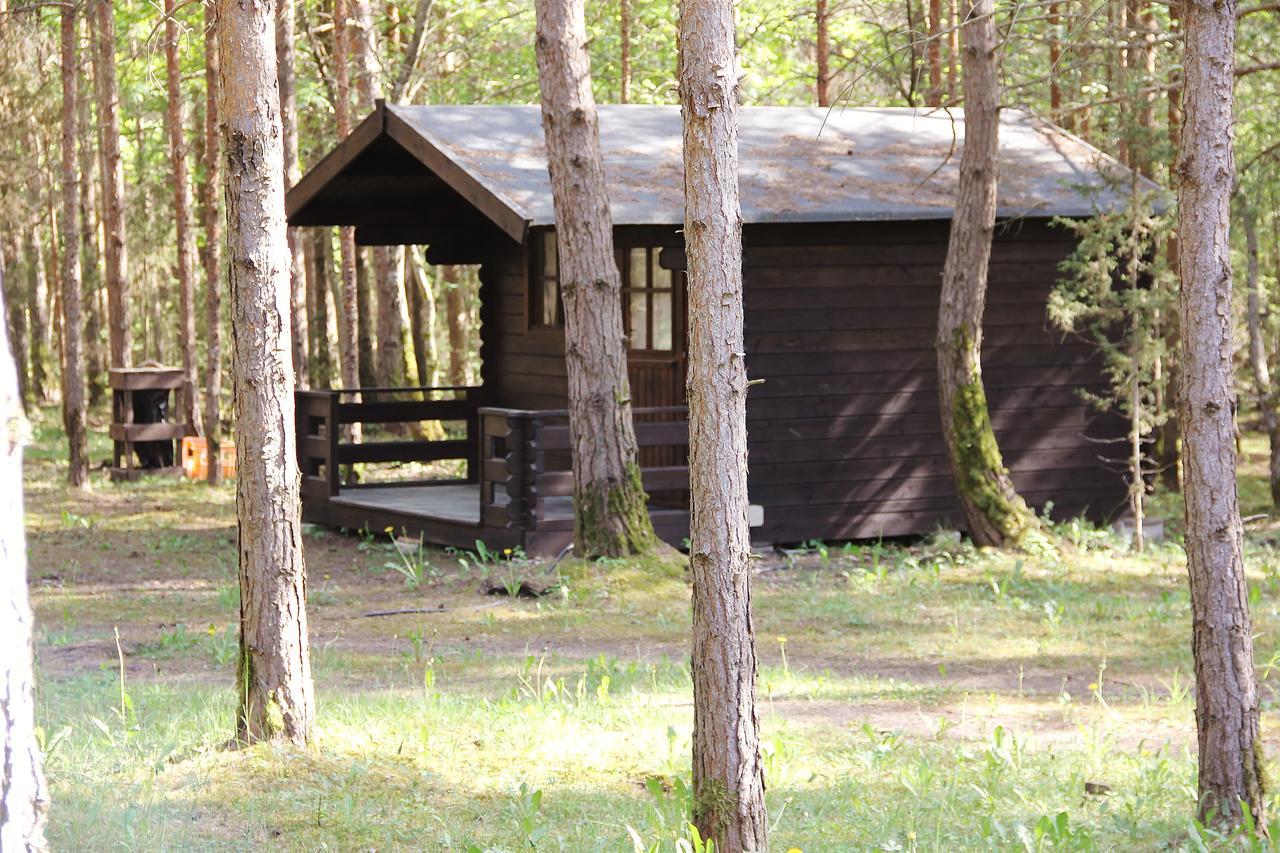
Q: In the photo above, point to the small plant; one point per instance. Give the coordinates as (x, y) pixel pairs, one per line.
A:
(412, 566)
(527, 808)
(225, 644)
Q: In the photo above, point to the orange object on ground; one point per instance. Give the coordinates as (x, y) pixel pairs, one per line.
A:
(195, 458)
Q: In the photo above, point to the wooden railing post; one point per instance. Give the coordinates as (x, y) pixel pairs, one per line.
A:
(508, 497)
(333, 432)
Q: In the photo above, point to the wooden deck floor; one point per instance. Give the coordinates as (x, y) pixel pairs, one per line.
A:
(456, 502)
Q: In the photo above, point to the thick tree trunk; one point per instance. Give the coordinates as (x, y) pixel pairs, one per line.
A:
(610, 512)
(728, 780)
(24, 797)
(348, 305)
(1258, 352)
(213, 250)
(286, 59)
(274, 673)
(993, 512)
(116, 255)
(822, 49)
(1226, 690)
(182, 219)
(456, 319)
(73, 407)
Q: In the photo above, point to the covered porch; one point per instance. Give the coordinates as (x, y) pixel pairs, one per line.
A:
(446, 465)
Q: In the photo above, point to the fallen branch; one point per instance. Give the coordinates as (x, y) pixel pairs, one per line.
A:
(428, 610)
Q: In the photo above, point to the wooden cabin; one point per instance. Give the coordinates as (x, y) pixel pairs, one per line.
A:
(846, 214)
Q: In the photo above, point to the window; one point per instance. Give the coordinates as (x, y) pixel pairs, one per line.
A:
(544, 282)
(648, 294)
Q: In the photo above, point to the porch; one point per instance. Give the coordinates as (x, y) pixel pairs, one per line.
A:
(442, 464)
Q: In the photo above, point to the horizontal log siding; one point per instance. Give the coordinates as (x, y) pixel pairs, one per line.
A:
(844, 436)
(522, 368)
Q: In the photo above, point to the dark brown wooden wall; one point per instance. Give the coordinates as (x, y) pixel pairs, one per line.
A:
(843, 432)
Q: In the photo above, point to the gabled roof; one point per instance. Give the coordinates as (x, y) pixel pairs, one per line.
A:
(798, 164)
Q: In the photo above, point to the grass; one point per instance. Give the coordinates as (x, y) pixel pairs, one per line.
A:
(917, 695)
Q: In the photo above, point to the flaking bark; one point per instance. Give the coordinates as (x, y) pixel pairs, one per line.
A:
(728, 780)
(610, 512)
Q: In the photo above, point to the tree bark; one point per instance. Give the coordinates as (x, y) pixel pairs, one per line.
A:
(1168, 442)
(348, 305)
(1055, 57)
(728, 780)
(38, 314)
(213, 250)
(274, 672)
(321, 264)
(116, 252)
(624, 36)
(73, 404)
(934, 53)
(456, 320)
(1258, 351)
(610, 512)
(822, 49)
(90, 248)
(993, 512)
(422, 308)
(286, 59)
(16, 301)
(24, 796)
(182, 219)
(1226, 691)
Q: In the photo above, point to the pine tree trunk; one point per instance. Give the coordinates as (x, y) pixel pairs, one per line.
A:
(16, 301)
(610, 512)
(624, 36)
(24, 796)
(90, 254)
(38, 314)
(1258, 352)
(1231, 758)
(456, 319)
(286, 57)
(116, 255)
(822, 49)
(1169, 440)
(1055, 57)
(321, 264)
(993, 512)
(348, 305)
(274, 673)
(73, 407)
(182, 220)
(728, 780)
(365, 314)
(934, 53)
(213, 250)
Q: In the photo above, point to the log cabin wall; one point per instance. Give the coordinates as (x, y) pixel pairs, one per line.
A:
(844, 433)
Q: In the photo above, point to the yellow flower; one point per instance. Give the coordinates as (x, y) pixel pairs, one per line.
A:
(213, 631)
(794, 850)
(782, 639)
(507, 551)
(388, 530)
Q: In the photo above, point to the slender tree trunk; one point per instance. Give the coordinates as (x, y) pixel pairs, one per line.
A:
(1055, 57)
(182, 220)
(274, 674)
(456, 319)
(73, 407)
(213, 250)
(349, 304)
(322, 263)
(1258, 351)
(953, 50)
(993, 512)
(90, 254)
(16, 301)
(1169, 440)
(422, 313)
(624, 35)
(24, 796)
(934, 53)
(822, 48)
(116, 255)
(1226, 691)
(38, 313)
(728, 780)
(365, 313)
(610, 512)
(286, 58)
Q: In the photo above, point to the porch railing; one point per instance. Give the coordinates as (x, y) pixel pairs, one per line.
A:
(323, 416)
(524, 461)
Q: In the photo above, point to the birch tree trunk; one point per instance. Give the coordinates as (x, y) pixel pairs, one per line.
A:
(1222, 643)
(822, 49)
(1258, 351)
(728, 780)
(24, 797)
(993, 512)
(274, 672)
(182, 219)
(213, 250)
(113, 213)
(73, 405)
(286, 60)
(609, 504)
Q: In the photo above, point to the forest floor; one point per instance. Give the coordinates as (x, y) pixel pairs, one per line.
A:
(917, 695)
